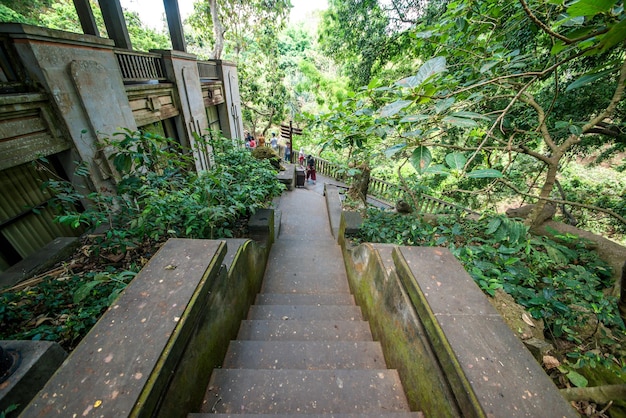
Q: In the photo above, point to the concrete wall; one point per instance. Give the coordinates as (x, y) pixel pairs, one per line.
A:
(151, 354)
(81, 76)
(182, 69)
(230, 110)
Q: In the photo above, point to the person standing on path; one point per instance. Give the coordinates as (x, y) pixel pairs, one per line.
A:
(288, 152)
(301, 157)
(310, 169)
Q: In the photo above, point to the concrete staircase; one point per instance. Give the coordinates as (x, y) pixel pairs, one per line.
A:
(305, 348)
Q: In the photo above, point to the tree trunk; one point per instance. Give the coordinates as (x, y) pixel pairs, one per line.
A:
(546, 190)
(597, 394)
(361, 183)
(218, 30)
(622, 299)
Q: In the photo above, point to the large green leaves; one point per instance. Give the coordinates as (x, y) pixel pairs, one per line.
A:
(429, 69)
(588, 79)
(456, 160)
(421, 159)
(393, 108)
(484, 173)
(590, 7)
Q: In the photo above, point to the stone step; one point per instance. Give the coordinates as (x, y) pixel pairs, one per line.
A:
(304, 391)
(305, 312)
(304, 355)
(332, 281)
(268, 330)
(304, 299)
(363, 415)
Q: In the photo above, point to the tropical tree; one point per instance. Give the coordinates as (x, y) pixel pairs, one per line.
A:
(246, 32)
(365, 36)
(505, 86)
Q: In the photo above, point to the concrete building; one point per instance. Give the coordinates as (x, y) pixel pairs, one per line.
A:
(62, 94)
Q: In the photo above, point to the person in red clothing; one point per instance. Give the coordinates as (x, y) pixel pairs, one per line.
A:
(310, 169)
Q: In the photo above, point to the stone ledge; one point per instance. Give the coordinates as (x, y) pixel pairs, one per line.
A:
(125, 364)
(488, 368)
(50, 254)
(261, 226)
(288, 176)
(333, 206)
(39, 361)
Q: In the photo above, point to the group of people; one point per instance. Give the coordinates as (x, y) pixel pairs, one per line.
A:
(251, 143)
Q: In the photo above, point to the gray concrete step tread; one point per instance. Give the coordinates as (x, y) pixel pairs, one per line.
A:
(363, 415)
(275, 330)
(305, 299)
(305, 312)
(305, 391)
(309, 281)
(304, 355)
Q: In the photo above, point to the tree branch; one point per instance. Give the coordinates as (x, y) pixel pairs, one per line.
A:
(550, 32)
(565, 202)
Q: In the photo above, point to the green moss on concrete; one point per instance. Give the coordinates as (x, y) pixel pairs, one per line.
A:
(404, 347)
(226, 304)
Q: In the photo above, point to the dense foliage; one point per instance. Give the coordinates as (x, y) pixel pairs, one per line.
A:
(504, 96)
(248, 37)
(61, 14)
(158, 197)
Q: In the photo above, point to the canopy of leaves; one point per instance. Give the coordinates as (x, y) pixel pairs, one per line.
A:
(494, 80)
(61, 14)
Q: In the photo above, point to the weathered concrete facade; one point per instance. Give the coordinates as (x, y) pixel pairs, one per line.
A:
(62, 94)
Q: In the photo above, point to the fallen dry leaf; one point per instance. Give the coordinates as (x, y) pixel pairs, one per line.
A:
(527, 319)
(551, 362)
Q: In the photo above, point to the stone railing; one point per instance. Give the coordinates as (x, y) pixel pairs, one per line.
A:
(140, 66)
(151, 354)
(389, 193)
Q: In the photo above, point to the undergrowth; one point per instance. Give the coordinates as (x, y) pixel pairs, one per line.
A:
(158, 196)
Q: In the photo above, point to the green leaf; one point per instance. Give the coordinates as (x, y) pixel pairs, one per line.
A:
(391, 151)
(393, 108)
(577, 379)
(424, 35)
(575, 130)
(590, 7)
(488, 65)
(470, 115)
(460, 122)
(429, 69)
(557, 256)
(588, 79)
(437, 169)
(412, 134)
(613, 37)
(84, 291)
(421, 159)
(493, 225)
(456, 160)
(414, 118)
(485, 173)
(443, 105)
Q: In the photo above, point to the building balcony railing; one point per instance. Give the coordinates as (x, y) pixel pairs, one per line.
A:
(207, 70)
(137, 67)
